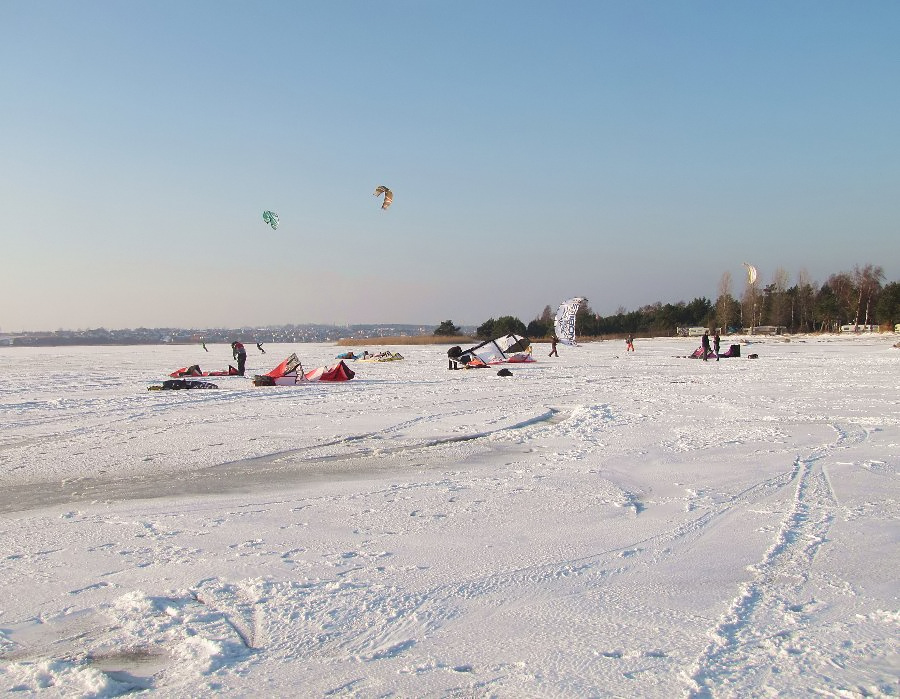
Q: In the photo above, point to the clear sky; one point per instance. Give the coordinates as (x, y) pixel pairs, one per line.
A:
(629, 152)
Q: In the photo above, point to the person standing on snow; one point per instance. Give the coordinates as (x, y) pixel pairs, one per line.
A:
(717, 342)
(704, 342)
(240, 354)
(629, 343)
(553, 342)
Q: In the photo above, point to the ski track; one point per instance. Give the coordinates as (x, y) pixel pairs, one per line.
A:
(376, 623)
(761, 622)
(357, 617)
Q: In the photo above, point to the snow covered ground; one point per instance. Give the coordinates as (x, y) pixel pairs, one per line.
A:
(597, 524)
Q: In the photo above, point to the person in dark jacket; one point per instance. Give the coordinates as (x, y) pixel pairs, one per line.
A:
(453, 357)
(240, 354)
(717, 343)
(553, 342)
(704, 342)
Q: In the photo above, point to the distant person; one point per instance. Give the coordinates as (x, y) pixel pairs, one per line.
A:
(240, 354)
(704, 342)
(260, 347)
(629, 343)
(717, 342)
(203, 342)
(553, 342)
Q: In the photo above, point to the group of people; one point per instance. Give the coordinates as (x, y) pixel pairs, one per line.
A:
(704, 342)
(239, 352)
(629, 345)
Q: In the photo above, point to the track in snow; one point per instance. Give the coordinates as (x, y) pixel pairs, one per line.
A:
(755, 634)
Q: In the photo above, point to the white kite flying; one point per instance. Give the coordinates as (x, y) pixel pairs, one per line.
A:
(751, 274)
(565, 320)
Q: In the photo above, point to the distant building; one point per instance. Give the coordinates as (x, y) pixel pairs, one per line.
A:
(691, 332)
(854, 328)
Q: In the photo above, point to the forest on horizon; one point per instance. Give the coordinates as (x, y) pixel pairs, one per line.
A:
(858, 297)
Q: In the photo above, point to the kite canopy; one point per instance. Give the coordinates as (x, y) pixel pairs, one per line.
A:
(564, 325)
(388, 195)
(290, 373)
(751, 274)
(271, 218)
(500, 350)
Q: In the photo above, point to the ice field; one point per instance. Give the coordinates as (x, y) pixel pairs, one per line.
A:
(595, 525)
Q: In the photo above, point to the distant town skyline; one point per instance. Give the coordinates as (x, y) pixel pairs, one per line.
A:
(264, 334)
(625, 152)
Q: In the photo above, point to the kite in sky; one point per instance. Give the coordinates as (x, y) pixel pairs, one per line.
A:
(751, 274)
(388, 195)
(271, 218)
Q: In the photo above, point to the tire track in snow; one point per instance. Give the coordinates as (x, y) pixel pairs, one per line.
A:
(754, 635)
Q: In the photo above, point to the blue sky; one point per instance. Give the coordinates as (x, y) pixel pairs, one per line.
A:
(628, 152)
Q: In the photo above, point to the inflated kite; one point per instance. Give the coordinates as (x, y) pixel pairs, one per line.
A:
(388, 195)
(271, 218)
(564, 323)
(751, 274)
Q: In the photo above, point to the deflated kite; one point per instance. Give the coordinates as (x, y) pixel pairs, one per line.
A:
(388, 195)
(271, 218)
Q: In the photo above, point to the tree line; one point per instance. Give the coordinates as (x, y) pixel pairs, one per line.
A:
(857, 297)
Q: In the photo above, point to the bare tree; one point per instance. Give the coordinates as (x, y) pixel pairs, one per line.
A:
(723, 305)
(845, 294)
(868, 283)
(750, 304)
(779, 303)
(547, 315)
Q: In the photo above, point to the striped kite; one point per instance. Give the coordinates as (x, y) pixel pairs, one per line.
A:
(271, 218)
(388, 195)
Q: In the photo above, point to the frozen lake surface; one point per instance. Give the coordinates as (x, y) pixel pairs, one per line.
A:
(597, 524)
